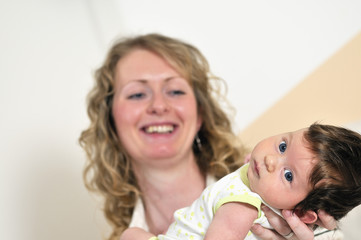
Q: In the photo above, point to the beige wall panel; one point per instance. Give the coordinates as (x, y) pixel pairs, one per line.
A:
(331, 94)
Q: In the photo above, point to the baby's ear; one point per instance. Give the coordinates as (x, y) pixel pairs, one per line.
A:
(308, 217)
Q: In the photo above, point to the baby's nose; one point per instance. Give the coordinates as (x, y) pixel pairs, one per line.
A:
(270, 162)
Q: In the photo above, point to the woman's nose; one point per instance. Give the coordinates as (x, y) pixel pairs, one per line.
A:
(158, 105)
(270, 162)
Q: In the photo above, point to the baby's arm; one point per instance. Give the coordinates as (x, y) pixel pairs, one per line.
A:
(135, 233)
(232, 221)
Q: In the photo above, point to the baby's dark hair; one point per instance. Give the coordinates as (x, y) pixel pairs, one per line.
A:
(336, 178)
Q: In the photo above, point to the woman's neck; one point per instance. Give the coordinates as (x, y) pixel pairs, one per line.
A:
(166, 190)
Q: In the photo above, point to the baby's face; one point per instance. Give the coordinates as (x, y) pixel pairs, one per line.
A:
(279, 169)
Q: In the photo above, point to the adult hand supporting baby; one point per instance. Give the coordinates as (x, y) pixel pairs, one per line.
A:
(283, 227)
(325, 220)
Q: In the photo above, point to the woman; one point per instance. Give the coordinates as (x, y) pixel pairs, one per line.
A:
(158, 135)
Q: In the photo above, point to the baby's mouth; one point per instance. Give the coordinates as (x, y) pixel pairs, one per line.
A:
(159, 129)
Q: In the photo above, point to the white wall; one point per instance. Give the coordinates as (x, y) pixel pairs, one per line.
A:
(48, 51)
(50, 48)
(262, 48)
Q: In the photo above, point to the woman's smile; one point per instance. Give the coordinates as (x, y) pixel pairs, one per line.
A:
(162, 129)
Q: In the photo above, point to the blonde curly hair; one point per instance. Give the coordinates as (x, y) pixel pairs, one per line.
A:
(108, 169)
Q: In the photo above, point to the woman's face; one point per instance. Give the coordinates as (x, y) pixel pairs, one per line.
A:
(154, 110)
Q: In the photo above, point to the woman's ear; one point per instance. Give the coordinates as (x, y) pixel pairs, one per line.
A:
(308, 217)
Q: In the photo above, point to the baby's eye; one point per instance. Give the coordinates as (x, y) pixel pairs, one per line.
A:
(288, 175)
(282, 147)
(136, 96)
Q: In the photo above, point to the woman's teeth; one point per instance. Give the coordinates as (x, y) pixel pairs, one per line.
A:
(159, 129)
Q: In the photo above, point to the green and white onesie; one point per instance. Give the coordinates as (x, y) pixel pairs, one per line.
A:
(192, 222)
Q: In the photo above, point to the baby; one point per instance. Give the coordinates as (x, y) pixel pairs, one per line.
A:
(307, 170)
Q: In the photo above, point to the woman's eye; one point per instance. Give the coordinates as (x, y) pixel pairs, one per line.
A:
(176, 92)
(282, 147)
(136, 96)
(288, 175)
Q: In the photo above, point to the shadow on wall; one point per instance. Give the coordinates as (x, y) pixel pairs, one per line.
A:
(330, 94)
